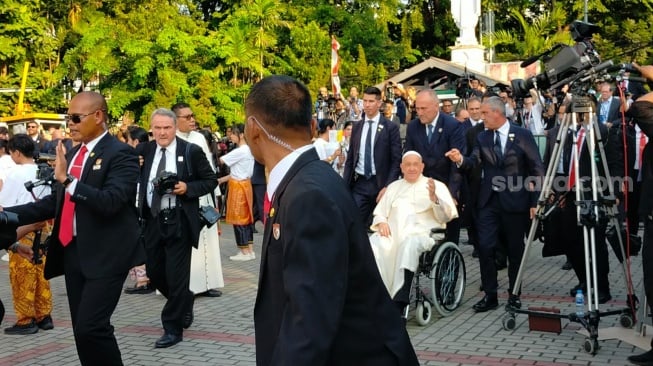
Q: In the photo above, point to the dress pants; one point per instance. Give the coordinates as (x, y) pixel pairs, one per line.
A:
(647, 263)
(574, 247)
(92, 301)
(365, 192)
(168, 266)
(491, 220)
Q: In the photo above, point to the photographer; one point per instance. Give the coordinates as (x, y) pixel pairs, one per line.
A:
(31, 291)
(354, 105)
(642, 111)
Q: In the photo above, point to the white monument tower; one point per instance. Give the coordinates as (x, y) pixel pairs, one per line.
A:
(467, 51)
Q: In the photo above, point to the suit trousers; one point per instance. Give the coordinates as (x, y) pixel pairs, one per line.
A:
(575, 248)
(168, 266)
(492, 220)
(647, 263)
(365, 192)
(92, 301)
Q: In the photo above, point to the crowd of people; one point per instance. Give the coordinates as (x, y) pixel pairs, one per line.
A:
(393, 163)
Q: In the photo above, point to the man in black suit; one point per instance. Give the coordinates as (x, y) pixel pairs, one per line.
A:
(318, 278)
(95, 234)
(608, 106)
(512, 167)
(432, 134)
(642, 112)
(472, 177)
(565, 236)
(374, 155)
(171, 218)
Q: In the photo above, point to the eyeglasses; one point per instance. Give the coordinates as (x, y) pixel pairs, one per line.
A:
(77, 118)
(188, 116)
(447, 105)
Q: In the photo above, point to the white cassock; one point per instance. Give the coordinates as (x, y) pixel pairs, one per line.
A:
(410, 213)
(205, 262)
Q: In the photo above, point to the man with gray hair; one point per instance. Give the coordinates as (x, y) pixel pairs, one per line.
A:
(174, 175)
(509, 159)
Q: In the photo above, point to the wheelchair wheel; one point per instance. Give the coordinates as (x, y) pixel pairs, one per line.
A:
(447, 278)
(423, 313)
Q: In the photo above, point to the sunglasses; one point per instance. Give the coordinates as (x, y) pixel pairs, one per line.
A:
(31, 126)
(188, 116)
(76, 118)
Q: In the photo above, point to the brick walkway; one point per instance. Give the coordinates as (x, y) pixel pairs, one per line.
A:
(223, 331)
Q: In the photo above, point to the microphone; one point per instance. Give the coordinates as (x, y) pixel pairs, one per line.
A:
(529, 61)
(532, 59)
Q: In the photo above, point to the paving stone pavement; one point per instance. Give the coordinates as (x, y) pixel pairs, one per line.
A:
(223, 331)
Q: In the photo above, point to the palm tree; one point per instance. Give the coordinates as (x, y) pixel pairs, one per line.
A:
(538, 34)
(266, 14)
(237, 49)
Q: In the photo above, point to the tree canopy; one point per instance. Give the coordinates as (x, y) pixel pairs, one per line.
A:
(152, 53)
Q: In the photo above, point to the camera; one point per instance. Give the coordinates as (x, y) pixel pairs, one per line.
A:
(8, 225)
(165, 183)
(44, 171)
(571, 63)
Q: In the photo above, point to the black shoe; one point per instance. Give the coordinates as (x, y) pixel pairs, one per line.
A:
(16, 329)
(139, 290)
(189, 316)
(210, 293)
(604, 296)
(46, 323)
(567, 267)
(574, 290)
(513, 302)
(475, 253)
(168, 340)
(645, 359)
(486, 303)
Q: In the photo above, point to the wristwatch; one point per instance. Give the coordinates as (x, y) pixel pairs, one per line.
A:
(69, 179)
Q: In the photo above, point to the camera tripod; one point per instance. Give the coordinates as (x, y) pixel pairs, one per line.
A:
(587, 216)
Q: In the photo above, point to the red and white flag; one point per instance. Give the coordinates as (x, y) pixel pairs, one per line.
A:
(335, 65)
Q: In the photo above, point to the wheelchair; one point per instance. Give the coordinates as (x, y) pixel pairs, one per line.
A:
(439, 282)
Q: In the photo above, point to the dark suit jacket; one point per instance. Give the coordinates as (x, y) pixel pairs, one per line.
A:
(643, 116)
(386, 154)
(473, 176)
(320, 298)
(613, 113)
(447, 134)
(107, 224)
(194, 170)
(521, 160)
(611, 145)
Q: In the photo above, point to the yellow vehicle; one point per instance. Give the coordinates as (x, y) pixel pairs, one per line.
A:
(23, 113)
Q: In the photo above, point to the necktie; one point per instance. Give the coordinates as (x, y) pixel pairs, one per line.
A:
(68, 212)
(498, 151)
(367, 165)
(572, 169)
(267, 204)
(527, 119)
(156, 197)
(429, 134)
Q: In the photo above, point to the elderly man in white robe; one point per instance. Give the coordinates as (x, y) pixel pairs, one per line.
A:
(403, 220)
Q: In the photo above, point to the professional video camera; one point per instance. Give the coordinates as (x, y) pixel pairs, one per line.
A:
(8, 225)
(579, 65)
(325, 106)
(165, 183)
(463, 86)
(44, 172)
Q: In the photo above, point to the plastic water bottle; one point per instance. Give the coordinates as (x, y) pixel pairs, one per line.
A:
(580, 303)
